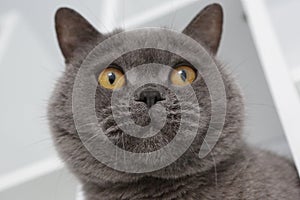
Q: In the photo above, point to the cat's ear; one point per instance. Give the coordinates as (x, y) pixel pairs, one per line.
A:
(207, 26)
(73, 31)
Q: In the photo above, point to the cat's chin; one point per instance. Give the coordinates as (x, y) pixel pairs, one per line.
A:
(173, 171)
(109, 175)
(100, 173)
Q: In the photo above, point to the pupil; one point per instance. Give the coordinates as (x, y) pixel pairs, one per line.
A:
(111, 77)
(183, 75)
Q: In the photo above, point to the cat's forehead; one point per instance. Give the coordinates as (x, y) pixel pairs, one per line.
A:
(139, 57)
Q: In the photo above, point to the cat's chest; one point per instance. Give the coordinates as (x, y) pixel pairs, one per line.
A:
(190, 189)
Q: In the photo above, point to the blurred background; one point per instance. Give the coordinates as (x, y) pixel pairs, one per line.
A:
(260, 45)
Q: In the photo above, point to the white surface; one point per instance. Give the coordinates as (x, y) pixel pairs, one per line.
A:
(56, 185)
(109, 15)
(158, 11)
(285, 15)
(277, 73)
(26, 79)
(29, 173)
(80, 195)
(8, 23)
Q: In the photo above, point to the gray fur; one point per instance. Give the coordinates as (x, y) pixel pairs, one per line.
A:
(232, 170)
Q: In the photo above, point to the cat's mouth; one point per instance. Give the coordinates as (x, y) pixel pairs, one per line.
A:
(140, 115)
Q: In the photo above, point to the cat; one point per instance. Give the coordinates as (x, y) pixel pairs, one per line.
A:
(231, 170)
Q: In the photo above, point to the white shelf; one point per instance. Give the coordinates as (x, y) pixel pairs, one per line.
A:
(277, 72)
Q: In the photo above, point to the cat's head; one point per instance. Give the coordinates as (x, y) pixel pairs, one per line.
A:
(149, 103)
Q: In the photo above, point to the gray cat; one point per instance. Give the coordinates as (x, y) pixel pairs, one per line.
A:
(232, 170)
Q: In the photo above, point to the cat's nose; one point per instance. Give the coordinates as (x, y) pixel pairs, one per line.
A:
(150, 97)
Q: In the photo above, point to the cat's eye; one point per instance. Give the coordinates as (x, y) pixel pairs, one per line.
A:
(111, 78)
(183, 75)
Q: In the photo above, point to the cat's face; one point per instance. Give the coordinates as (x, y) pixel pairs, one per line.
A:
(147, 104)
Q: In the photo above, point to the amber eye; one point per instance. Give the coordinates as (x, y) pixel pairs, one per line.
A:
(183, 75)
(111, 78)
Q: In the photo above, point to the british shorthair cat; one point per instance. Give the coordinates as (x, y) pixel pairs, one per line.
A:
(231, 170)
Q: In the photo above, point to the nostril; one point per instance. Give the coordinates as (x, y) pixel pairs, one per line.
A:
(150, 97)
